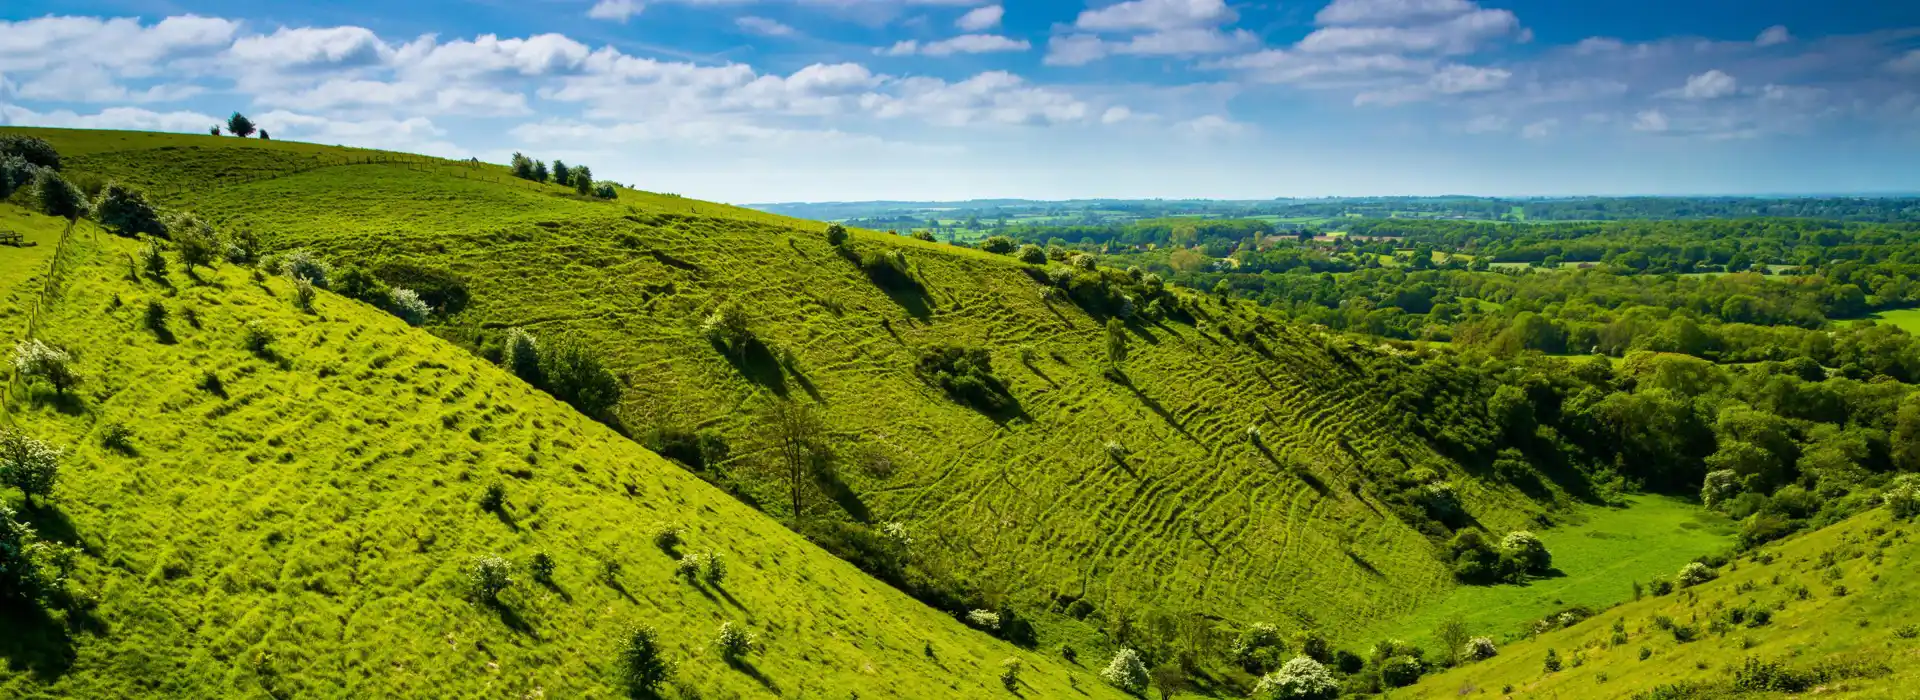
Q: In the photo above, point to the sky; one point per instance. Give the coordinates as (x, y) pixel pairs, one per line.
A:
(840, 100)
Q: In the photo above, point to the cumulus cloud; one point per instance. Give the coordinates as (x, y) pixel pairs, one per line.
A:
(1457, 79)
(1711, 85)
(966, 43)
(763, 26)
(1390, 11)
(981, 18)
(1458, 35)
(1080, 49)
(1155, 15)
(615, 10)
(1908, 64)
(995, 97)
(110, 118)
(1115, 115)
(1773, 36)
(1651, 120)
(310, 46)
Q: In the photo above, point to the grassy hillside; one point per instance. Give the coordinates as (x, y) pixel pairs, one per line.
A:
(1030, 509)
(1839, 620)
(299, 522)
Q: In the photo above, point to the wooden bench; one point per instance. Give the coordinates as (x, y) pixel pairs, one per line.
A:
(11, 238)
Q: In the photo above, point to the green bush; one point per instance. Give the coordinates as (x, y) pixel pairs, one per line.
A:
(733, 641)
(125, 211)
(57, 197)
(572, 373)
(641, 665)
(1032, 255)
(257, 339)
(28, 464)
(489, 576)
(299, 264)
(31, 149)
(605, 190)
(836, 235)
(522, 356)
(195, 242)
(966, 375)
(999, 245)
(443, 290)
(15, 174)
(493, 498)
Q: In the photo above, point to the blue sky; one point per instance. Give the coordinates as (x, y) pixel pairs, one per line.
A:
(782, 100)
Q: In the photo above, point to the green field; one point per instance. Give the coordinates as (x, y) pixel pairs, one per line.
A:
(1840, 603)
(1596, 556)
(1906, 319)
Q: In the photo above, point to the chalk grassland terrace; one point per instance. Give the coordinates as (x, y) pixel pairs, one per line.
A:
(269, 501)
(1212, 476)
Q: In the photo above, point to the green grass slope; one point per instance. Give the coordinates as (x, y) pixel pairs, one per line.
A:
(1841, 612)
(304, 530)
(1291, 529)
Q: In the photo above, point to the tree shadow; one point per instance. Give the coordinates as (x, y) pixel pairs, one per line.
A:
(1121, 378)
(828, 479)
(1056, 313)
(911, 299)
(1035, 369)
(34, 642)
(66, 403)
(1140, 329)
(1364, 564)
(51, 523)
(752, 671)
(754, 361)
(511, 618)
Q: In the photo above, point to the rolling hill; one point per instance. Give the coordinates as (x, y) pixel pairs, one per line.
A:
(298, 520)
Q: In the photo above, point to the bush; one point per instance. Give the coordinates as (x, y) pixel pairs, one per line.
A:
(303, 294)
(573, 374)
(1903, 496)
(1126, 671)
(688, 566)
(890, 270)
(605, 190)
(1694, 574)
(355, 282)
(117, 437)
(20, 578)
(523, 356)
(1401, 671)
(987, 620)
(668, 536)
(239, 125)
(1479, 649)
(299, 264)
(836, 235)
(1719, 486)
(540, 567)
(156, 318)
(1010, 673)
(442, 290)
(714, 569)
(733, 641)
(15, 174)
(998, 245)
(1258, 648)
(127, 212)
(57, 197)
(194, 241)
(1526, 549)
(493, 498)
(489, 576)
(35, 359)
(1553, 661)
(966, 375)
(28, 464)
(257, 339)
(582, 177)
(641, 666)
(1032, 255)
(153, 260)
(729, 327)
(407, 304)
(1301, 678)
(697, 450)
(30, 149)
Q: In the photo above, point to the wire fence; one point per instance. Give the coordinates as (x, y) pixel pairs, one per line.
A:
(57, 269)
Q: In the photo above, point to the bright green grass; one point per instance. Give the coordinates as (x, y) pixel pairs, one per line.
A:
(1197, 519)
(1873, 557)
(1906, 319)
(23, 269)
(304, 532)
(1597, 556)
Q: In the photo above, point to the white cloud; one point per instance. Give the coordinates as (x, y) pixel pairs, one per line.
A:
(1115, 115)
(966, 43)
(1486, 124)
(1155, 15)
(1390, 11)
(308, 46)
(415, 134)
(353, 94)
(1292, 67)
(995, 97)
(1080, 49)
(110, 118)
(1773, 36)
(1540, 129)
(1458, 35)
(1457, 79)
(763, 26)
(1075, 50)
(540, 54)
(981, 18)
(616, 10)
(1711, 85)
(1211, 126)
(1598, 45)
(1651, 120)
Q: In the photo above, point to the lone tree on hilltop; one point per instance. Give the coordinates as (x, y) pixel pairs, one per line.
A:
(239, 125)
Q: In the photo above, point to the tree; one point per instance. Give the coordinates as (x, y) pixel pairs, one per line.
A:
(642, 668)
(539, 172)
(56, 196)
(1032, 255)
(1453, 637)
(32, 149)
(1527, 551)
(794, 430)
(1116, 342)
(1300, 679)
(28, 464)
(733, 641)
(33, 358)
(572, 373)
(1126, 671)
(407, 304)
(522, 166)
(195, 242)
(999, 245)
(213, 130)
(239, 125)
(522, 355)
(836, 235)
(562, 176)
(605, 190)
(583, 180)
(264, 136)
(489, 576)
(19, 574)
(729, 327)
(127, 212)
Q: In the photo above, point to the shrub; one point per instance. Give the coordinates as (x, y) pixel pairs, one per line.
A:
(713, 568)
(1401, 671)
(1010, 673)
(117, 437)
(605, 190)
(836, 235)
(15, 174)
(489, 576)
(890, 270)
(19, 573)
(1479, 649)
(1126, 671)
(1719, 486)
(30, 149)
(1116, 451)
(582, 180)
(998, 245)
(1301, 678)
(1526, 550)
(688, 566)
(408, 306)
(984, 619)
(1553, 661)
(733, 641)
(896, 533)
(540, 567)
(1694, 574)
(194, 241)
(923, 236)
(641, 666)
(1032, 255)
(34, 359)
(156, 317)
(523, 356)
(153, 261)
(299, 264)
(669, 537)
(239, 125)
(127, 212)
(1258, 648)
(574, 374)
(522, 166)
(966, 375)
(1083, 261)
(442, 290)
(257, 339)
(57, 197)
(28, 464)
(1903, 496)
(562, 175)
(729, 327)
(493, 498)
(303, 293)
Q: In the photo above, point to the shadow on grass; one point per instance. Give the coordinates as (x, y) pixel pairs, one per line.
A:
(51, 523)
(1035, 369)
(511, 618)
(1140, 329)
(63, 402)
(754, 361)
(752, 671)
(34, 642)
(1120, 377)
(1364, 564)
(836, 488)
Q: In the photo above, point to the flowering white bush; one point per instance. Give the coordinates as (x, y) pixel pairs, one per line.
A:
(1116, 450)
(1528, 549)
(488, 576)
(1903, 496)
(1126, 671)
(1010, 672)
(1480, 649)
(299, 264)
(408, 305)
(28, 464)
(1694, 574)
(984, 619)
(1719, 486)
(1300, 679)
(897, 532)
(35, 359)
(303, 293)
(733, 641)
(689, 565)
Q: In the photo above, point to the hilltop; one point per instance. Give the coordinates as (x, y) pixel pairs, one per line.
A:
(298, 518)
